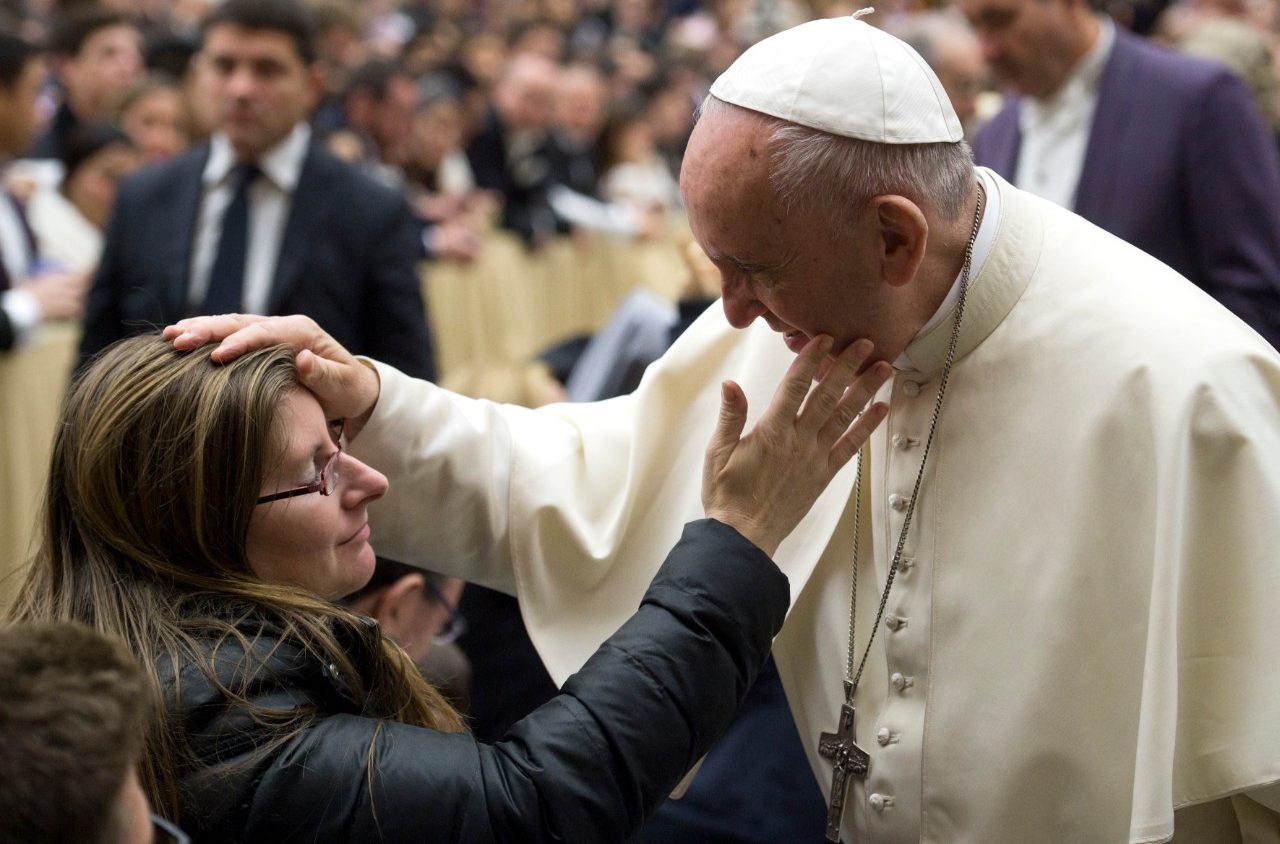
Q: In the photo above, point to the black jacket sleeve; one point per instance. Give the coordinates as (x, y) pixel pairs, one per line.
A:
(589, 765)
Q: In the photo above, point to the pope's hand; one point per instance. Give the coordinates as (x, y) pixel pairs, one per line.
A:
(763, 484)
(345, 388)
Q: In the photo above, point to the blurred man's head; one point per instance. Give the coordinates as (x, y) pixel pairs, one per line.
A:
(413, 607)
(580, 103)
(946, 42)
(98, 56)
(525, 92)
(71, 725)
(1032, 45)
(261, 72)
(379, 103)
(21, 72)
(95, 159)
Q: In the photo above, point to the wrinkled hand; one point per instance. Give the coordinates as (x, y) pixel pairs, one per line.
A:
(60, 295)
(763, 484)
(345, 387)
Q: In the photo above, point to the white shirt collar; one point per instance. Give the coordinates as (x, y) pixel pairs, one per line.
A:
(282, 164)
(982, 245)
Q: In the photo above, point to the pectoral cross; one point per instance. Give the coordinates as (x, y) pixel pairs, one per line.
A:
(846, 759)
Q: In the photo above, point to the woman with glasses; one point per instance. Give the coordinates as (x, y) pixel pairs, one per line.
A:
(209, 516)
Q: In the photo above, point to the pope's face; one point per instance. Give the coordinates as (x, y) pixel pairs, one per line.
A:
(795, 271)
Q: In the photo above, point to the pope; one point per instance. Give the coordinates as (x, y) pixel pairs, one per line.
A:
(1058, 555)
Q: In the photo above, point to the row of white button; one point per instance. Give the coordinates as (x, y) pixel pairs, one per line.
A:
(900, 682)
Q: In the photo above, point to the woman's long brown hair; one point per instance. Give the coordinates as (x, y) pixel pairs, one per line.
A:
(157, 465)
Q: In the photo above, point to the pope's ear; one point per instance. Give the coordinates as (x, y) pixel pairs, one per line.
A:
(904, 233)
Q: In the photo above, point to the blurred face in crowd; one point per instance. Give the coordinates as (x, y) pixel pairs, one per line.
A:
(109, 62)
(261, 86)
(317, 542)
(158, 123)
(580, 104)
(525, 94)
(1031, 45)
(91, 187)
(18, 109)
(962, 72)
(437, 131)
(671, 115)
(483, 55)
(390, 119)
(634, 142)
(632, 15)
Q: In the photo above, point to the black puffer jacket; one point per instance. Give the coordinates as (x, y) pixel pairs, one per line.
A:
(587, 767)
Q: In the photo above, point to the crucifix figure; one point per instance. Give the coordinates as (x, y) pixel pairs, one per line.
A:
(846, 759)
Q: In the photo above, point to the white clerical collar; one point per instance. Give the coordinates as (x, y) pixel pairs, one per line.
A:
(981, 250)
(1081, 86)
(282, 164)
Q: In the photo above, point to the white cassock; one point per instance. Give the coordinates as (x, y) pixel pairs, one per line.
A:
(1086, 628)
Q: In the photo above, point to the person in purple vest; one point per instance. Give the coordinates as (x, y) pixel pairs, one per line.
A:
(1162, 150)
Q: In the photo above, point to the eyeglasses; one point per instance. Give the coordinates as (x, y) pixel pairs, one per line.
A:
(328, 480)
(165, 832)
(455, 625)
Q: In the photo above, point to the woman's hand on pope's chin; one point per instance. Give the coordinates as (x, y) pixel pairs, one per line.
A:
(764, 483)
(346, 388)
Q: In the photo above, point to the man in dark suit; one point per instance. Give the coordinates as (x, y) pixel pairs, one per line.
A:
(1162, 150)
(511, 153)
(262, 219)
(97, 57)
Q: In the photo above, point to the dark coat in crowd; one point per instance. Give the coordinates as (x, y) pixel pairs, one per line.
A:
(1180, 164)
(348, 260)
(587, 767)
(520, 176)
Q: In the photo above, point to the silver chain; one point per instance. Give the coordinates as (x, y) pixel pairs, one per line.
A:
(851, 678)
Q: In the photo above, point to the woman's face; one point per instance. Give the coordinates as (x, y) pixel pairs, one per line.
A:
(317, 542)
(92, 187)
(157, 123)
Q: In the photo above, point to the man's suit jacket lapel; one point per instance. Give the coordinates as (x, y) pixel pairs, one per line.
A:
(1102, 172)
(1001, 139)
(175, 233)
(307, 210)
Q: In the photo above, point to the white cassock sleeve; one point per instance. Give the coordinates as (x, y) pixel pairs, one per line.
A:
(570, 507)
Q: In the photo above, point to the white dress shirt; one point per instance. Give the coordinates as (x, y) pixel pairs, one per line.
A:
(270, 198)
(1055, 131)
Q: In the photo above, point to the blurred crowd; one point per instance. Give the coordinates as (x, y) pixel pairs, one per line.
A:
(544, 118)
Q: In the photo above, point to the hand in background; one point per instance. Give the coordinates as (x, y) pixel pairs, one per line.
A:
(59, 294)
(764, 483)
(455, 240)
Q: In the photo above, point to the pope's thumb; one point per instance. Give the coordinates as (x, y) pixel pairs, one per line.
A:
(317, 374)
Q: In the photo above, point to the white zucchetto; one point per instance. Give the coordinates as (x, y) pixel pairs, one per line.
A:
(845, 77)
